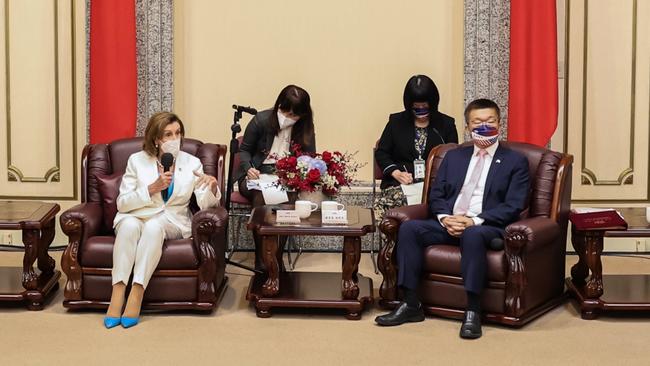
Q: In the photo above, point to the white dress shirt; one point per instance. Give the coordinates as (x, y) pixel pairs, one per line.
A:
(476, 202)
(280, 147)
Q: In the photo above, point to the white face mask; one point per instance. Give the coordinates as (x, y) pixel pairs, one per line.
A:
(172, 147)
(285, 121)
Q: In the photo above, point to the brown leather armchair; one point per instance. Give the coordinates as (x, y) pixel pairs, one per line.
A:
(191, 272)
(525, 279)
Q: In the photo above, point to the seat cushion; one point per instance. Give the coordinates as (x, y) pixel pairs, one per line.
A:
(97, 252)
(237, 198)
(109, 188)
(445, 259)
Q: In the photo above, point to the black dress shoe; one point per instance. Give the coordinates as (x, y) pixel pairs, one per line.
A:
(402, 314)
(471, 328)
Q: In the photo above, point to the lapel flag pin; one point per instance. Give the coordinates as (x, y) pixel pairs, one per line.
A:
(498, 161)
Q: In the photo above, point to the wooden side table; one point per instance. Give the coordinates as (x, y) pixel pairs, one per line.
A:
(276, 288)
(597, 293)
(36, 220)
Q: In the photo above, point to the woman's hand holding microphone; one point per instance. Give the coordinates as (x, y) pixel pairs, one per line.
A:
(163, 181)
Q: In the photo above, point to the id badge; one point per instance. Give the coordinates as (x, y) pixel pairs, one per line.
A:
(418, 169)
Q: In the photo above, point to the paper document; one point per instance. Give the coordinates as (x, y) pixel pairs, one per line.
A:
(271, 190)
(256, 183)
(413, 193)
(273, 193)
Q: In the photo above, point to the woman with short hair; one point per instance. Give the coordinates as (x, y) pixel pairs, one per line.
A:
(153, 206)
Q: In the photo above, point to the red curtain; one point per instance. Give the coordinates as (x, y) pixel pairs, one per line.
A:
(533, 99)
(113, 72)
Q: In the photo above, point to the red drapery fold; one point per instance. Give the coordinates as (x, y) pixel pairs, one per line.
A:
(113, 71)
(533, 98)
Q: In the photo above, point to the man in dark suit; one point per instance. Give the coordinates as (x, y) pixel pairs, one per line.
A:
(478, 191)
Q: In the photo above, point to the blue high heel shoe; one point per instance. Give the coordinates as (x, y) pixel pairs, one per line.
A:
(129, 322)
(110, 322)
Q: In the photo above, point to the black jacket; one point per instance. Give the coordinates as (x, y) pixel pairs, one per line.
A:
(257, 142)
(396, 148)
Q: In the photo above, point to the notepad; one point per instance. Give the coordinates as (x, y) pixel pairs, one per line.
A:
(413, 193)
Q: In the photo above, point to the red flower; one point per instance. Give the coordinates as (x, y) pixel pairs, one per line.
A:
(327, 156)
(296, 149)
(313, 175)
(292, 161)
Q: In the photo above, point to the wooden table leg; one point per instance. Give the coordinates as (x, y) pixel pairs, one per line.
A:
(271, 287)
(594, 249)
(579, 271)
(351, 258)
(46, 263)
(31, 240)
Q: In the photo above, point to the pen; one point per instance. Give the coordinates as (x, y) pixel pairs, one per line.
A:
(404, 166)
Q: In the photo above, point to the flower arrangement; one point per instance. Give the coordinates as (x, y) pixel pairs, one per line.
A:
(326, 171)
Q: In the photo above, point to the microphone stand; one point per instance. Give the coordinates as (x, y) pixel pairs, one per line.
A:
(234, 148)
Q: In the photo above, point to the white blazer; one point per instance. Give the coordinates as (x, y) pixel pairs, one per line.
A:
(142, 170)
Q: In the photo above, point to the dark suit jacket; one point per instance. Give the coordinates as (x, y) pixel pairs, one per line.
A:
(257, 142)
(396, 147)
(506, 187)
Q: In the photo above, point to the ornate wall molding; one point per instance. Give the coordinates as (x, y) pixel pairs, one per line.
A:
(154, 34)
(487, 53)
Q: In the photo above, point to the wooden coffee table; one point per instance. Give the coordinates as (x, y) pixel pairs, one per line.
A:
(36, 220)
(600, 293)
(280, 289)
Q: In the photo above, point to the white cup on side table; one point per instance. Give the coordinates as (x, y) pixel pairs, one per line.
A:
(305, 208)
(331, 206)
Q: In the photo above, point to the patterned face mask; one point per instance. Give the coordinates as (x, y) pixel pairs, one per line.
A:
(485, 136)
(421, 112)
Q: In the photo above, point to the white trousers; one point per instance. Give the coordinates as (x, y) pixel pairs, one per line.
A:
(138, 246)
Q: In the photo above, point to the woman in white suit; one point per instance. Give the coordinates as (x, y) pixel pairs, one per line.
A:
(153, 205)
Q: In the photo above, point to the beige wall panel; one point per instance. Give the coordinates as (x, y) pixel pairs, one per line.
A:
(608, 97)
(353, 57)
(72, 115)
(38, 100)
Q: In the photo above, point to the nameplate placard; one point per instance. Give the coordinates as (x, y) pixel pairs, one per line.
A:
(287, 217)
(334, 217)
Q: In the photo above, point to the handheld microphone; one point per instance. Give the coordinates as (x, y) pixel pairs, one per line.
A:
(248, 110)
(166, 160)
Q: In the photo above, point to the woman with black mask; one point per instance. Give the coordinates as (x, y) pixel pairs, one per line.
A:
(407, 140)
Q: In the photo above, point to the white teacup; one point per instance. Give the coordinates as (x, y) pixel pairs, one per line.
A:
(331, 206)
(305, 208)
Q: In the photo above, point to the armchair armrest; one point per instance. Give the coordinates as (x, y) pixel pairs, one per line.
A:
(209, 237)
(386, 262)
(531, 233)
(404, 213)
(524, 236)
(83, 219)
(78, 223)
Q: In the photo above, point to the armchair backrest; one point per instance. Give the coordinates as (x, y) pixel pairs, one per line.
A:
(112, 158)
(550, 178)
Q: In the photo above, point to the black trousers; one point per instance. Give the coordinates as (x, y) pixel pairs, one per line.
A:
(415, 235)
